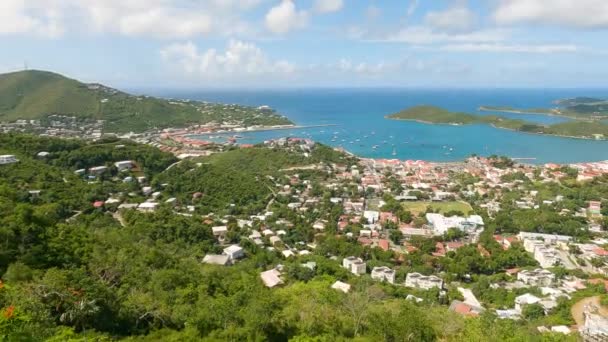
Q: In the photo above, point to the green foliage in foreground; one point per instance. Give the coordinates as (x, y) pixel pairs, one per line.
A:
(86, 277)
(436, 115)
(36, 94)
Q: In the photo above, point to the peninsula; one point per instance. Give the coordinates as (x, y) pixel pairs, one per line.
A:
(37, 95)
(578, 108)
(436, 115)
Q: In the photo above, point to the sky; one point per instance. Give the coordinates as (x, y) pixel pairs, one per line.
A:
(310, 43)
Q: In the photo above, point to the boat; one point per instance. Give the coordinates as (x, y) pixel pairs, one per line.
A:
(394, 152)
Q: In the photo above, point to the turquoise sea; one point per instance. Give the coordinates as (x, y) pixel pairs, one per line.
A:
(359, 118)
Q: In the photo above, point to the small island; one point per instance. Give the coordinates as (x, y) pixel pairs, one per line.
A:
(577, 108)
(436, 115)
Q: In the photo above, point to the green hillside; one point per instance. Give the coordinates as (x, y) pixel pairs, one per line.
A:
(36, 94)
(436, 115)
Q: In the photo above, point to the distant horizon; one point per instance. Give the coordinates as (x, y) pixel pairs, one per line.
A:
(268, 44)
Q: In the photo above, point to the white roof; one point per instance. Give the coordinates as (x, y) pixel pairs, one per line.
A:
(148, 205)
(287, 253)
(216, 259)
(219, 229)
(233, 249)
(338, 285)
(527, 298)
(271, 278)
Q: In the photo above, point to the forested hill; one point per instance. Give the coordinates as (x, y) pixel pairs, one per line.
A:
(36, 94)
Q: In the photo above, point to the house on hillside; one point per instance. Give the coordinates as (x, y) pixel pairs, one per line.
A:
(419, 281)
(383, 273)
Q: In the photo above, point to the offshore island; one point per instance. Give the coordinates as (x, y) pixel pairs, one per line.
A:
(580, 129)
(577, 108)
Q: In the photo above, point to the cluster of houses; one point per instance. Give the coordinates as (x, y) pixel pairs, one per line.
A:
(57, 126)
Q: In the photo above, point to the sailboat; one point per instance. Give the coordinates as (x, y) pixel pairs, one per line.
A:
(394, 151)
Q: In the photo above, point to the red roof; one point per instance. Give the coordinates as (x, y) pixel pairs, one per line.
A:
(383, 244)
(462, 308)
(512, 271)
(600, 251)
(98, 204)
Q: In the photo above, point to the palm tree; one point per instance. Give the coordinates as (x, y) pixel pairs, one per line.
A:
(79, 313)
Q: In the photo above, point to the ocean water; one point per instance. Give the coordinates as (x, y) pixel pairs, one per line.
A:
(358, 116)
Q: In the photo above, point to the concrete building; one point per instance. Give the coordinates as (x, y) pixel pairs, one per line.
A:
(338, 285)
(354, 265)
(7, 159)
(537, 277)
(383, 273)
(271, 278)
(525, 299)
(234, 252)
(124, 165)
(216, 259)
(419, 281)
(440, 224)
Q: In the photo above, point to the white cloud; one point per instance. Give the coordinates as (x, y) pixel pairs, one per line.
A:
(131, 19)
(240, 60)
(540, 48)
(422, 35)
(17, 17)
(328, 6)
(285, 17)
(571, 13)
(455, 19)
(149, 18)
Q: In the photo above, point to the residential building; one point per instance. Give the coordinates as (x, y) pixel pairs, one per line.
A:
(271, 278)
(234, 252)
(383, 273)
(524, 300)
(440, 224)
(338, 285)
(216, 259)
(354, 265)
(124, 165)
(7, 159)
(419, 281)
(537, 277)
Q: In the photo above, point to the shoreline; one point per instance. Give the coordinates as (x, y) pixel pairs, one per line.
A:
(497, 127)
(263, 129)
(524, 112)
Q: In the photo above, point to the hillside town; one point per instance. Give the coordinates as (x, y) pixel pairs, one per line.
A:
(424, 218)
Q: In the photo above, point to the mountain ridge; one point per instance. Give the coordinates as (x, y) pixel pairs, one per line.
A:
(35, 94)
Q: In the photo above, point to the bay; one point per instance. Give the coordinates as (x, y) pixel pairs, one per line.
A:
(358, 116)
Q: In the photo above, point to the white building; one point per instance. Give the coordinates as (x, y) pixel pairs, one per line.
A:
(419, 281)
(271, 278)
(97, 170)
(234, 252)
(124, 165)
(537, 277)
(338, 285)
(383, 273)
(440, 224)
(7, 159)
(525, 299)
(219, 230)
(372, 216)
(216, 259)
(147, 206)
(354, 265)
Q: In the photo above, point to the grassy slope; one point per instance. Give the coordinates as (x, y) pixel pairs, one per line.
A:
(35, 94)
(430, 114)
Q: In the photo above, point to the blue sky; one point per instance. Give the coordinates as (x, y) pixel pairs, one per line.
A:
(310, 43)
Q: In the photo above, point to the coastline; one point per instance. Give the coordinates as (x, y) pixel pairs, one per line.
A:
(497, 127)
(524, 112)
